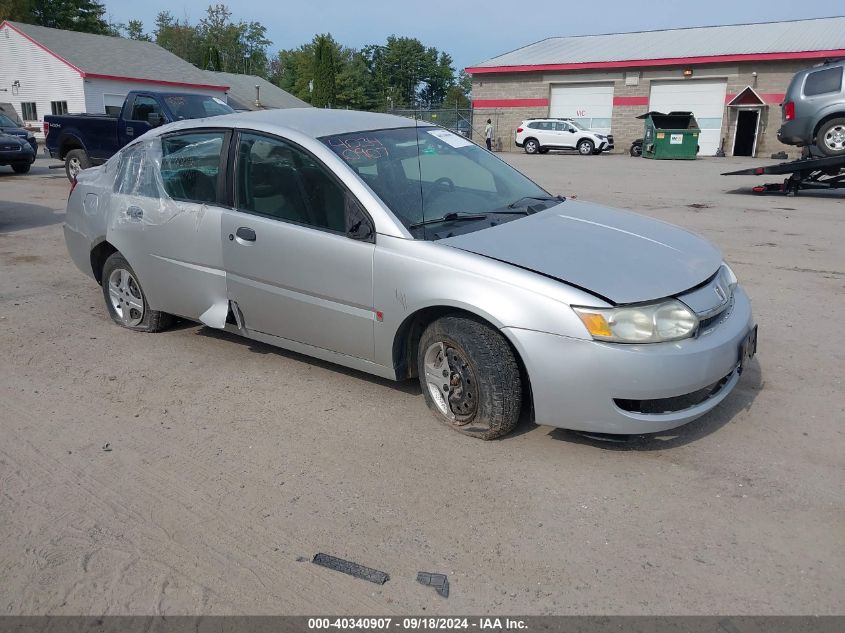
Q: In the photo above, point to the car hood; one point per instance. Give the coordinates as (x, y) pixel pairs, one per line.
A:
(618, 255)
(14, 131)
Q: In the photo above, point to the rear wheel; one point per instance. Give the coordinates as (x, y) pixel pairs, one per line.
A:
(636, 149)
(469, 377)
(586, 147)
(125, 299)
(531, 146)
(21, 168)
(831, 138)
(75, 161)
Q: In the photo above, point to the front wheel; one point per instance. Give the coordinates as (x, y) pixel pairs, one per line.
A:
(125, 300)
(469, 377)
(21, 168)
(831, 138)
(75, 161)
(586, 147)
(531, 146)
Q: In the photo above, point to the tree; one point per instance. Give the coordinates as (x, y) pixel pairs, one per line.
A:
(87, 16)
(326, 58)
(354, 82)
(292, 70)
(179, 37)
(135, 31)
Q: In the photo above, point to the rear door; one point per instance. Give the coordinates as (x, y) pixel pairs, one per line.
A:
(290, 265)
(167, 222)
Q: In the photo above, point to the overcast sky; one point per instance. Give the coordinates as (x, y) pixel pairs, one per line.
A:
(470, 30)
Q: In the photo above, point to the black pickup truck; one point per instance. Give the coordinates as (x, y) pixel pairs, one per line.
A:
(83, 140)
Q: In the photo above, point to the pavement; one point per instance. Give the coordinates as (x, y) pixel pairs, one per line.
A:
(193, 472)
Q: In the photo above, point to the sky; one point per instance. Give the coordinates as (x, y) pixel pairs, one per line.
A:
(471, 30)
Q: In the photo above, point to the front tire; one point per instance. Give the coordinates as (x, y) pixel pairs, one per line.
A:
(21, 168)
(831, 138)
(531, 146)
(125, 300)
(469, 377)
(75, 161)
(586, 147)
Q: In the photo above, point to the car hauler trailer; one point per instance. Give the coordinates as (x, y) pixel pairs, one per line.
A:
(806, 173)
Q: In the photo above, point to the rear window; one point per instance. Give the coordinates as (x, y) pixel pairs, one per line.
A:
(823, 81)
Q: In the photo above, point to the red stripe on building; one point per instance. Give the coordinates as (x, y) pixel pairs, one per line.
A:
(667, 61)
(509, 103)
(630, 101)
(157, 82)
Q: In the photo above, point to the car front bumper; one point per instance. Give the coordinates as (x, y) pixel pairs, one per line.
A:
(23, 155)
(602, 387)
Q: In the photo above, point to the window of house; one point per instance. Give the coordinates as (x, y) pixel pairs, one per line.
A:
(58, 107)
(190, 164)
(29, 111)
(823, 81)
(279, 180)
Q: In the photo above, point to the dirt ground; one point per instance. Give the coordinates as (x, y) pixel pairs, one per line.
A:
(230, 462)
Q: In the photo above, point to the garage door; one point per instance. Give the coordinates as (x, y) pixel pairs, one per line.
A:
(705, 98)
(589, 104)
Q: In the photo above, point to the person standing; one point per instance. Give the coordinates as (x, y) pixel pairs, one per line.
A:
(488, 135)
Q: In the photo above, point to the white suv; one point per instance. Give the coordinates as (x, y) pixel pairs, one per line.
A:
(538, 136)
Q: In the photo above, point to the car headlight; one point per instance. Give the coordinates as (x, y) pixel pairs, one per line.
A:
(668, 320)
(30, 136)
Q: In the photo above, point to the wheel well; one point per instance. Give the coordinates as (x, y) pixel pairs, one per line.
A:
(835, 115)
(585, 138)
(68, 144)
(530, 138)
(407, 341)
(99, 254)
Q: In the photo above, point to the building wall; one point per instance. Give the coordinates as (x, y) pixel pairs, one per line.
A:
(528, 94)
(95, 89)
(43, 78)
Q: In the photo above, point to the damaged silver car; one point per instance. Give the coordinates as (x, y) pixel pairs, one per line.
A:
(404, 250)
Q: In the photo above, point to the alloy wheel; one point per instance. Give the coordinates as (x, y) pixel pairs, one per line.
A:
(451, 382)
(126, 298)
(834, 139)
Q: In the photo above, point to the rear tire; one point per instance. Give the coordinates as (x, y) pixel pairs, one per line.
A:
(831, 138)
(125, 300)
(75, 161)
(636, 150)
(21, 168)
(586, 147)
(531, 146)
(483, 387)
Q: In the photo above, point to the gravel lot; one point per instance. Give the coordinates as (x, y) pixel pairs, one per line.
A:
(230, 460)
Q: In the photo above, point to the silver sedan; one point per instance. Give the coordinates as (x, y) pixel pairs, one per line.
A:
(404, 250)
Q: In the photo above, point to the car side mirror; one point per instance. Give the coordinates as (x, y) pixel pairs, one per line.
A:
(154, 119)
(359, 226)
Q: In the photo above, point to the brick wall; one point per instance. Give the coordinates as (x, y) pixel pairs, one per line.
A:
(772, 79)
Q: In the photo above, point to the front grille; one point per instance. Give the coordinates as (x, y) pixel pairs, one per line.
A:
(674, 404)
(10, 148)
(610, 139)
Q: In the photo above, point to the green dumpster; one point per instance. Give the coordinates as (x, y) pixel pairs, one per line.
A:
(668, 136)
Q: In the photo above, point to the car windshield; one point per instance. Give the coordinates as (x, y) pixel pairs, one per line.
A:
(6, 121)
(430, 177)
(196, 106)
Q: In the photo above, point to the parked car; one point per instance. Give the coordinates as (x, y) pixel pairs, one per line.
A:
(11, 127)
(636, 149)
(538, 136)
(83, 140)
(404, 250)
(813, 110)
(9, 110)
(16, 151)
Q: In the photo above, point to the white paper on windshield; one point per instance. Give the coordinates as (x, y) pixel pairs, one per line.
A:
(450, 138)
(220, 101)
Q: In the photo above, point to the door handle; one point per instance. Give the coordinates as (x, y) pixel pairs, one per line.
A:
(130, 131)
(245, 234)
(135, 213)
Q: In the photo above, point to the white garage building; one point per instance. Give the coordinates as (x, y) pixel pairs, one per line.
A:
(51, 71)
(732, 78)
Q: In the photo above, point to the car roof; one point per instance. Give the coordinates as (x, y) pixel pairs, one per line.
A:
(314, 122)
(551, 118)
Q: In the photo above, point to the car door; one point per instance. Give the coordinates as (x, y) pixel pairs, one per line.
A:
(565, 134)
(135, 121)
(166, 222)
(292, 269)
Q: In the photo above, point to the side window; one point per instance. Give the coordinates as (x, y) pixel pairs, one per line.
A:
(560, 126)
(190, 164)
(143, 107)
(135, 173)
(823, 81)
(279, 180)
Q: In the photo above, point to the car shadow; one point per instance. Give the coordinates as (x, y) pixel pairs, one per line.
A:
(410, 387)
(741, 399)
(17, 216)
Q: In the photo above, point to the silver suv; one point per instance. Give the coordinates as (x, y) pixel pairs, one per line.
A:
(814, 110)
